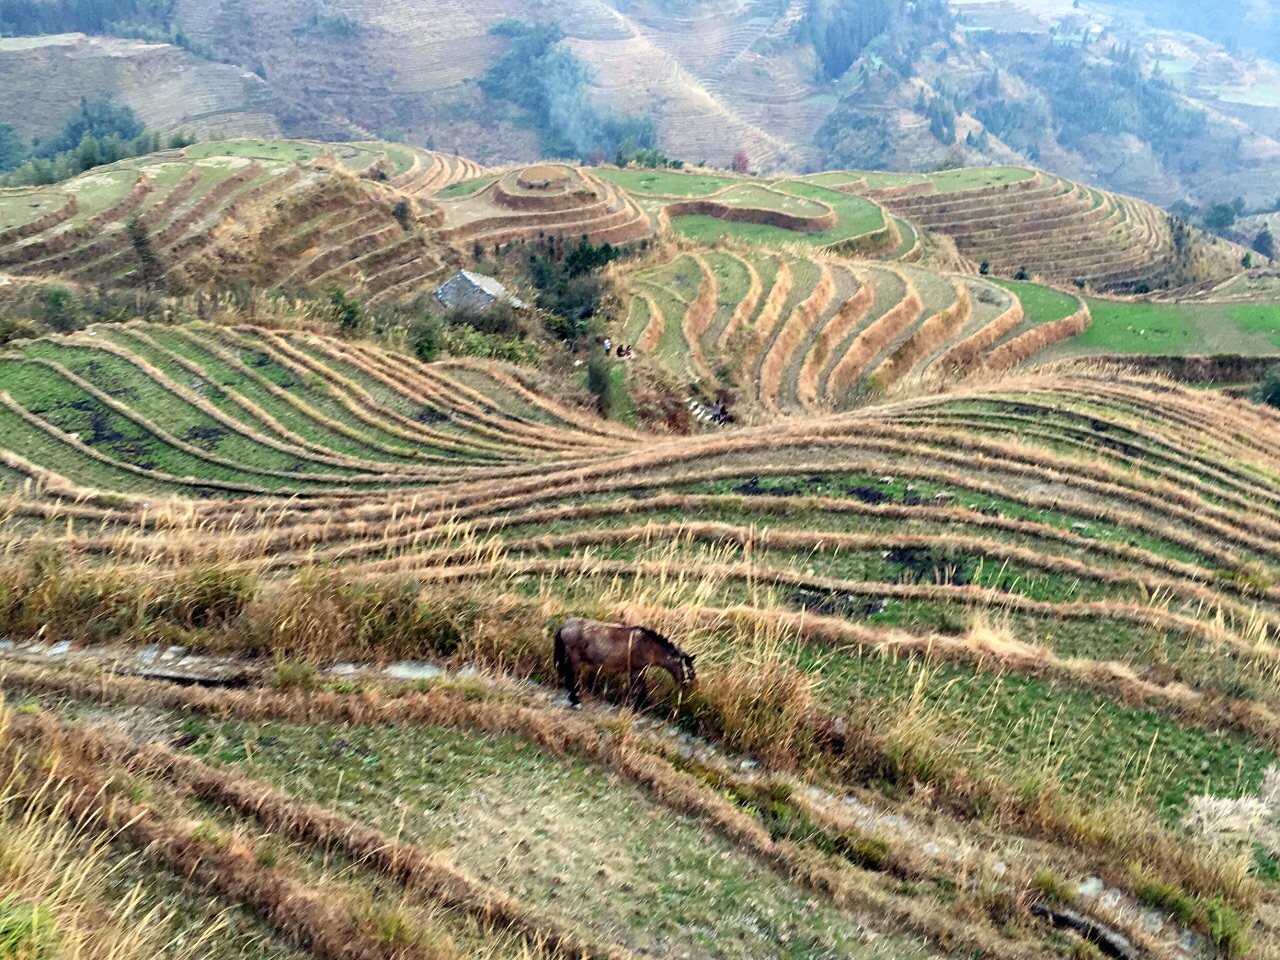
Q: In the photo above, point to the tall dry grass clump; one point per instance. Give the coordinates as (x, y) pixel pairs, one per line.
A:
(44, 593)
(753, 697)
(331, 614)
(62, 881)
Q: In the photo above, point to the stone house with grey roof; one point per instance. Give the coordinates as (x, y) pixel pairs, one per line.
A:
(474, 293)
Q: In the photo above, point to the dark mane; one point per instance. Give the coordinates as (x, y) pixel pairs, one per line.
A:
(661, 640)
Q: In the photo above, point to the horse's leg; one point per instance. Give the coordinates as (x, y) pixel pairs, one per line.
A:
(568, 676)
(639, 695)
(571, 683)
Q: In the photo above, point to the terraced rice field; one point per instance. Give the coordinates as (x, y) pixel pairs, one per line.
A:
(1025, 622)
(510, 208)
(387, 221)
(800, 335)
(271, 213)
(196, 410)
(858, 224)
(1012, 218)
(1027, 220)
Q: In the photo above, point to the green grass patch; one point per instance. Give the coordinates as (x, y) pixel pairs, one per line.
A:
(1173, 329)
(667, 183)
(1146, 328)
(672, 351)
(754, 196)
(638, 318)
(48, 394)
(911, 491)
(320, 395)
(979, 178)
(907, 243)
(219, 377)
(1257, 318)
(879, 180)
(22, 205)
(127, 384)
(100, 189)
(44, 450)
(1099, 748)
(856, 217)
(288, 150)
(555, 832)
(835, 178)
(399, 157)
(464, 189)
(1040, 304)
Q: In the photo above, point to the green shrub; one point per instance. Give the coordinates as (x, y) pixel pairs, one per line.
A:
(1213, 917)
(348, 313)
(299, 676)
(206, 831)
(27, 931)
(403, 213)
(1051, 886)
(501, 319)
(61, 309)
(427, 338)
(465, 341)
(1268, 391)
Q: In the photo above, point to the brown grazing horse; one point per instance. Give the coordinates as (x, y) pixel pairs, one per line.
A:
(589, 646)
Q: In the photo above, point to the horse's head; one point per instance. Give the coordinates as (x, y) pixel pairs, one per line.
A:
(687, 676)
(679, 663)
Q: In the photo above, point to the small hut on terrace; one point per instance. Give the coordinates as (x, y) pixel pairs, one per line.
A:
(474, 293)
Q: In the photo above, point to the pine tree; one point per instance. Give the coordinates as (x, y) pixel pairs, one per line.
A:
(1264, 243)
(151, 270)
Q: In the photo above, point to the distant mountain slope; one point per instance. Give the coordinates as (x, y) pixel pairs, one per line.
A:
(42, 80)
(412, 64)
(791, 86)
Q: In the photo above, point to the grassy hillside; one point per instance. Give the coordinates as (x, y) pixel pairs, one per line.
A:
(985, 652)
(1017, 630)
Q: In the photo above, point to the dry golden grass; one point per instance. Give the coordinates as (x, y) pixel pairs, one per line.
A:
(61, 879)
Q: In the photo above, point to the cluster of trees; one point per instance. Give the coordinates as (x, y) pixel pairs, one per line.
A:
(855, 139)
(544, 79)
(630, 152)
(26, 19)
(570, 288)
(326, 23)
(1265, 242)
(842, 31)
(101, 131)
(570, 294)
(1220, 218)
(1022, 124)
(1087, 95)
(941, 114)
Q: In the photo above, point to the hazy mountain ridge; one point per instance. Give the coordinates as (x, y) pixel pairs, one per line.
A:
(718, 78)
